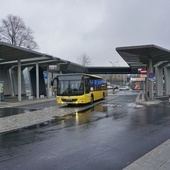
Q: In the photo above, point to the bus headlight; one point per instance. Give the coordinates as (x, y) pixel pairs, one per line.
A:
(81, 100)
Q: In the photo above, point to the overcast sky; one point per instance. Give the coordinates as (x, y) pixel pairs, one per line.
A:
(69, 28)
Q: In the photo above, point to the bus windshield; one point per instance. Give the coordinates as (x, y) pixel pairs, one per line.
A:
(70, 86)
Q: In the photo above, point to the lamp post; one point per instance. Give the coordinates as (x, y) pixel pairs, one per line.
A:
(113, 65)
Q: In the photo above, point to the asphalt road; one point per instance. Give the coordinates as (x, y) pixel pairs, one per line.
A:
(110, 135)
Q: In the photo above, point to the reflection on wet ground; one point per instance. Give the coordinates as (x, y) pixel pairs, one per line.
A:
(95, 113)
(4, 112)
(153, 114)
(107, 109)
(43, 132)
(91, 114)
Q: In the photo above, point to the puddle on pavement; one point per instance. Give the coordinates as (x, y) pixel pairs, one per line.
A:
(72, 121)
(4, 112)
(91, 114)
(46, 129)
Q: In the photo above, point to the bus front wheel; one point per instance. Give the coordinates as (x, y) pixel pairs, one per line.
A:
(104, 95)
(91, 100)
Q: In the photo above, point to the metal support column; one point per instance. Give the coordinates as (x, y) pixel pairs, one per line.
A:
(150, 85)
(159, 80)
(19, 80)
(37, 80)
(147, 86)
(167, 79)
(48, 82)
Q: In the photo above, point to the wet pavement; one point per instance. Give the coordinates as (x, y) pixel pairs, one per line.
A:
(25, 108)
(5, 112)
(109, 135)
(44, 114)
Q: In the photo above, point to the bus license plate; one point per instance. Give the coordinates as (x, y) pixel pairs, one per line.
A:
(69, 101)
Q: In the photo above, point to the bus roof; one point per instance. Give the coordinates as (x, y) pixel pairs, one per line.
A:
(80, 74)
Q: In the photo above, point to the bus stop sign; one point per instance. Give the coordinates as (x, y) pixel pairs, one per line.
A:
(151, 75)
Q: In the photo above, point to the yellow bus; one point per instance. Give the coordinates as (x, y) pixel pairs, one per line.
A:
(79, 88)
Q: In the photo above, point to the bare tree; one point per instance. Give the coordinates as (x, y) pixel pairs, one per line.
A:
(14, 31)
(84, 59)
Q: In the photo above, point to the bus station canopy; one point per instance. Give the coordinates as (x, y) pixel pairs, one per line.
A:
(10, 54)
(136, 56)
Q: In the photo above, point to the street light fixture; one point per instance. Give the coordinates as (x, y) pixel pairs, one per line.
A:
(120, 76)
(114, 63)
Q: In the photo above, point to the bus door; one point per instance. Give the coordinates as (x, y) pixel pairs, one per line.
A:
(54, 86)
(87, 86)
